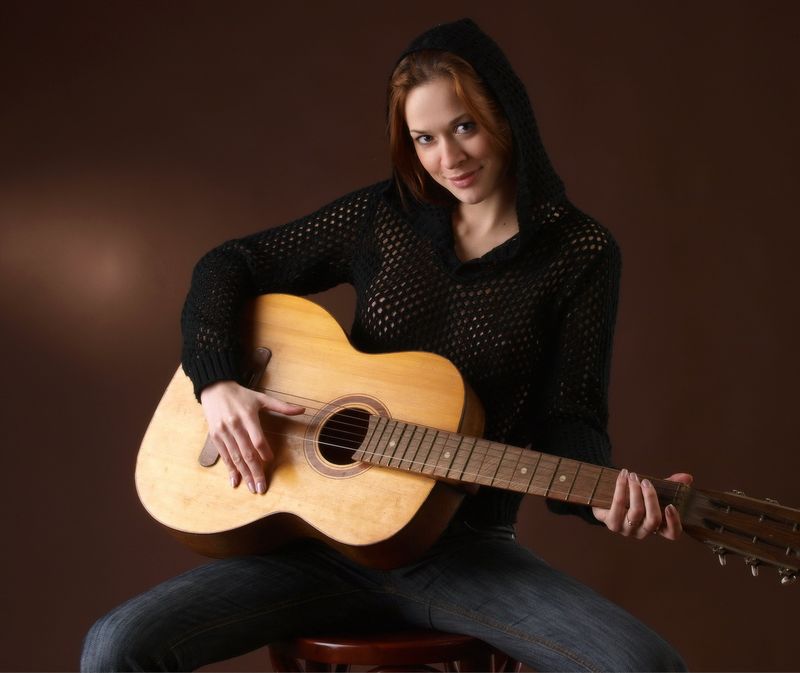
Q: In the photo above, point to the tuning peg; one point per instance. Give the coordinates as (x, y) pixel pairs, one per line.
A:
(753, 563)
(772, 500)
(720, 552)
(787, 575)
(733, 490)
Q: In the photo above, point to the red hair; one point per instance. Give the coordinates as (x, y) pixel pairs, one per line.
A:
(420, 68)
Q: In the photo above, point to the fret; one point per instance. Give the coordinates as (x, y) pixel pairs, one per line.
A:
(421, 465)
(401, 446)
(461, 458)
(371, 450)
(585, 483)
(563, 478)
(489, 465)
(390, 443)
(594, 488)
(574, 479)
(506, 471)
(604, 493)
(552, 477)
(446, 457)
(472, 468)
(434, 454)
(372, 424)
(500, 457)
(523, 473)
(545, 471)
(533, 472)
(408, 463)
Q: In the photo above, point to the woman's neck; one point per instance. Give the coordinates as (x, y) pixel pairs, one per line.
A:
(480, 227)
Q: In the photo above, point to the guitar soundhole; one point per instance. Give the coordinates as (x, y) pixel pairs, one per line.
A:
(342, 434)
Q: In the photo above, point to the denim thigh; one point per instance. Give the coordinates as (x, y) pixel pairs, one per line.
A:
(481, 582)
(232, 606)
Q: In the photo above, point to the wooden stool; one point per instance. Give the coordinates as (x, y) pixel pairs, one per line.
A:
(397, 651)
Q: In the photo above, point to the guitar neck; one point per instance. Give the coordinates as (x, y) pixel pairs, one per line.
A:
(455, 457)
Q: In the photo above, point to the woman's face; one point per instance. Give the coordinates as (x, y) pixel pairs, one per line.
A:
(453, 149)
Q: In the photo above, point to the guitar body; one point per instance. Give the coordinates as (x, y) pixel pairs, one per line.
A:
(369, 467)
(377, 516)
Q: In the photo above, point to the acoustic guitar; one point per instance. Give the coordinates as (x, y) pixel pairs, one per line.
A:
(377, 464)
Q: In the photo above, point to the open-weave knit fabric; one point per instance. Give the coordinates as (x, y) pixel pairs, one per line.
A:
(529, 324)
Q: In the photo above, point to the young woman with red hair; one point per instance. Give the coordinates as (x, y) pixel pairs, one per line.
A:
(471, 251)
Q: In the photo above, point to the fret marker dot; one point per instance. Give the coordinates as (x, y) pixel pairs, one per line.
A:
(446, 454)
(562, 478)
(524, 470)
(391, 444)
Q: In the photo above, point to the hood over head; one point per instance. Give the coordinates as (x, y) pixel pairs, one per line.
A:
(539, 188)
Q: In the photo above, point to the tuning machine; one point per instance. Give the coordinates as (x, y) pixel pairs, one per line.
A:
(753, 563)
(721, 553)
(787, 575)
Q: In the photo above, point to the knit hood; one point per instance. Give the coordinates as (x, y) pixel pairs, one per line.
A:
(539, 189)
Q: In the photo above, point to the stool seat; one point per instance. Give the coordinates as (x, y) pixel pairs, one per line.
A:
(408, 650)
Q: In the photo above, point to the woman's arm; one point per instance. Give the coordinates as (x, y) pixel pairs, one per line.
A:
(308, 255)
(576, 415)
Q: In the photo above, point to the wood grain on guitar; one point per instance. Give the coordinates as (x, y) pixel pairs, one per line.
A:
(370, 467)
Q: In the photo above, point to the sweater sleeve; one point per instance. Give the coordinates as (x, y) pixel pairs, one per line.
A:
(575, 418)
(308, 255)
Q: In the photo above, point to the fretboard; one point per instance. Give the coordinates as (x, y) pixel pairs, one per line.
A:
(448, 455)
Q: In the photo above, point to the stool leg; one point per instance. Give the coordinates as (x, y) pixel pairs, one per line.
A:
(505, 664)
(281, 662)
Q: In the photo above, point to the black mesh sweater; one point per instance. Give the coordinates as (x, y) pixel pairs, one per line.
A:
(529, 324)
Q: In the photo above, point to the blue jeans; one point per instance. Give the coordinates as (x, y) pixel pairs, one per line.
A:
(476, 581)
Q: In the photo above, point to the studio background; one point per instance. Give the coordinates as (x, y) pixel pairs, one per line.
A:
(134, 136)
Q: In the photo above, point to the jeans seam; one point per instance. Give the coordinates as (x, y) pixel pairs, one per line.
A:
(499, 626)
(252, 615)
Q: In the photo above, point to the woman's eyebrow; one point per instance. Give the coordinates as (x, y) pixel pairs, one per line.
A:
(450, 123)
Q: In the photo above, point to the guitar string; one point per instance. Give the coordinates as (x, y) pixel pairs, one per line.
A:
(607, 475)
(451, 442)
(467, 476)
(663, 487)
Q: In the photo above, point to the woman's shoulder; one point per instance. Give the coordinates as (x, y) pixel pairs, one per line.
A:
(579, 234)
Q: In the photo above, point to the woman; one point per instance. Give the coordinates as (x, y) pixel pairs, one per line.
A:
(472, 251)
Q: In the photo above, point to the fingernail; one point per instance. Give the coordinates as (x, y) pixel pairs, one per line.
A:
(634, 476)
(624, 473)
(670, 509)
(250, 486)
(261, 488)
(233, 481)
(646, 483)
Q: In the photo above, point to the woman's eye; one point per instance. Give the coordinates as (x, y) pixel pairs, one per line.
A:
(465, 127)
(423, 140)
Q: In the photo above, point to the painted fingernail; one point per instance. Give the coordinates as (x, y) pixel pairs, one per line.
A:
(261, 488)
(624, 473)
(634, 477)
(646, 483)
(233, 481)
(250, 486)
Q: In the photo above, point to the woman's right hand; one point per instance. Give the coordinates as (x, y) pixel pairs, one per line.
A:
(232, 412)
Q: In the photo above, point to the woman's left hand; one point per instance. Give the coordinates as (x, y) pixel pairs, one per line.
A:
(635, 511)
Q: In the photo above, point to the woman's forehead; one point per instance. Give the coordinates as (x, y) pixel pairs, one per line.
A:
(432, 105)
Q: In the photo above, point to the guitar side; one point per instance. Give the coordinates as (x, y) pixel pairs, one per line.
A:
(377, 516)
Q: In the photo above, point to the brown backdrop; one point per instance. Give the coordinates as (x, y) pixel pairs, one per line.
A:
(134, 136)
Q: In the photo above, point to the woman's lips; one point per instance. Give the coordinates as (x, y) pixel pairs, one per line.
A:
(465, 179)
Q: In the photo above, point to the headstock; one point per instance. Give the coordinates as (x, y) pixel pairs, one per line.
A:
(762, 532)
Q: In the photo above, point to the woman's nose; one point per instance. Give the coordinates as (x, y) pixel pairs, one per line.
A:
(452, 154)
